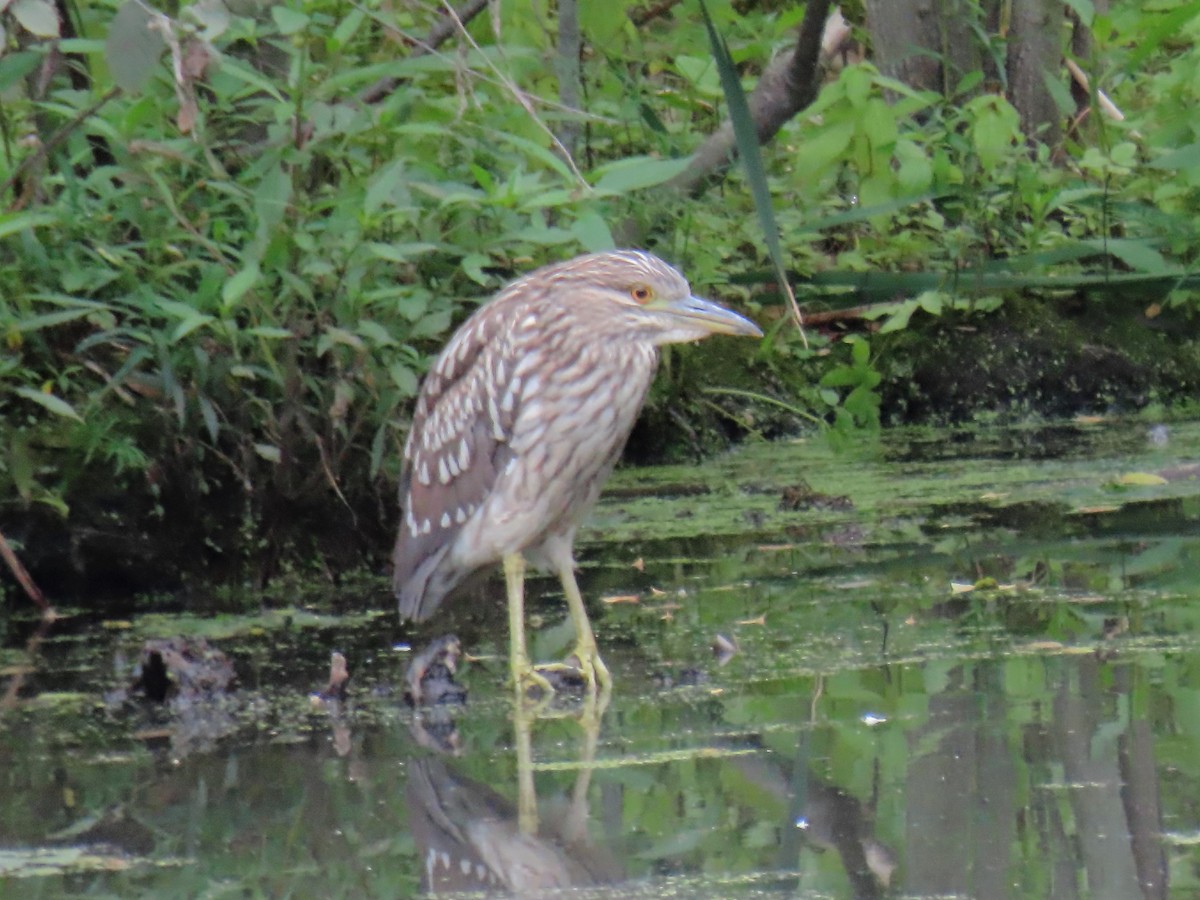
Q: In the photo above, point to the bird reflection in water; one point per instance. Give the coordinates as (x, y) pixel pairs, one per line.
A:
(471, 838)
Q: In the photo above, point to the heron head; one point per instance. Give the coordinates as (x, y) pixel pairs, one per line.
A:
(654, 300)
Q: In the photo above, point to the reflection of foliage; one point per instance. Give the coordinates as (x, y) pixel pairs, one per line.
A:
(945, 721)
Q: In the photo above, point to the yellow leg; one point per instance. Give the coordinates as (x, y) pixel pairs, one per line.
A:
(527, 809)
(590, 663)
(523, 673)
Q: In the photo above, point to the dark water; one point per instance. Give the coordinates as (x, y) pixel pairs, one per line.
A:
(977, 675)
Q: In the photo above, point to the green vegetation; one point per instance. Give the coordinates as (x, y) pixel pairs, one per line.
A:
(233, 237)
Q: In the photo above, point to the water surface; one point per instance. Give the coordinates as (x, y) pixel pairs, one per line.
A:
(959, 664)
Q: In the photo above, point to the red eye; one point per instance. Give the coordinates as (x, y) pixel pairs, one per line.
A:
(641, 293)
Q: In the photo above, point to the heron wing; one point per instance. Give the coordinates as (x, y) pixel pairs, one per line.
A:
(457, 445)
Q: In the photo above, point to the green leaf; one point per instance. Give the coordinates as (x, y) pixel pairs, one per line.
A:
(15, 66)
(245, 74)
(271, 198)
(209, 414)
(188, 325)
(348, 26)
(1186, 157)
(16, 222)
(399, 252)
(235, 288)
(211, 15)
(404, 378)
(1084, 10)
(269, 452)
(271, 333)
(636, 172)
(288, 21)
(1135, 254)
(746, 136)
(38, 17)
(473, 264)
(56, 405)
(593, 232)
(132, 49)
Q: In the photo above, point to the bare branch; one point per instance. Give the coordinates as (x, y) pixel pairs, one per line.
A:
(788, 84)
(438, 35)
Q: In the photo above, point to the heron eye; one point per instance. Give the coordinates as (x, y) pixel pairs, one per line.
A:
(642, 293)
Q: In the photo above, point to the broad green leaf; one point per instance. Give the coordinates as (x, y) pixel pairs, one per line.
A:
(54, 404)
(188, 325)
(1186, 157)
(269, 452)
(1084, 9)
(404, 378)
(593, 232)
(235, 288)
(288, 21)
(16, 222)
(636, 172)
(376, 333)
(348, 26)
(15, 66)
(1135, 254)
(133, 49)
(49, 320)
(473, 264)
(245, 74)
(211, 15)
(38, 17)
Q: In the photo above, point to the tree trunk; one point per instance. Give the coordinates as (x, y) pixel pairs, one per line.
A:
(1034, 55)
(928, 44)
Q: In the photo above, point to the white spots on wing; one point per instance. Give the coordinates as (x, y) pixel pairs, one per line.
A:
(494, 418)
(460, 516)
(412, 522)
(426, 527)
(525, 364)
(443, 473)
(423, 473)
(445, 522)
(464, 454)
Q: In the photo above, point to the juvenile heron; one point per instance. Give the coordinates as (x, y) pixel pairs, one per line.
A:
(520, 421)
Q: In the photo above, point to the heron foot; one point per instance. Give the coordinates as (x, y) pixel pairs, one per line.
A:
(531, 683)
(587, 662)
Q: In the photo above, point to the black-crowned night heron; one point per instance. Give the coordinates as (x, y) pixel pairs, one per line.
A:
(520, 421)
